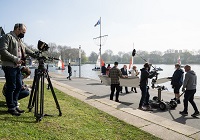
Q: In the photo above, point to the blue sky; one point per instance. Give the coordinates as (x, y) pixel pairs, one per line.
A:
(149, 24)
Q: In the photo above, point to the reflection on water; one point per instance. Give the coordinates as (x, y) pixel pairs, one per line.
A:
(86, 71)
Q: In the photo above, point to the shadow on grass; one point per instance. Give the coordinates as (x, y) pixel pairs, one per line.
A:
(20, 119)
(3, 104)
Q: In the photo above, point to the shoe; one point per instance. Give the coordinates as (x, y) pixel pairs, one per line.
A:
(148, 107)
(135, 91)
(127, 92)
(14, 112)
(183, 113)
(140, 108)
(67, 77)
(116, 100)
(19, 110)
(195, 114)
(178, 101)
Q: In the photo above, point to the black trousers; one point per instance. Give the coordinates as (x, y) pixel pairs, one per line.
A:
(134, 89)
(126, 89)
(189, 96)
(113, 87)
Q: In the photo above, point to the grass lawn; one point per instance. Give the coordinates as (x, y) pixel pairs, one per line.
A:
(79, 121)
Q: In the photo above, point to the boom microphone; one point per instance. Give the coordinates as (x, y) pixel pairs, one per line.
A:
(134, 52)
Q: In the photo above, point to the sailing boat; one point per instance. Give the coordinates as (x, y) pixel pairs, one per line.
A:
(97, 65)
(61, 65)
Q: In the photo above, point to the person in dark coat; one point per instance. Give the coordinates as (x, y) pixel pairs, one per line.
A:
(103, 69)
(69, 71)
(124, 73)
(114, 75)
(144, 101)
(177, 81)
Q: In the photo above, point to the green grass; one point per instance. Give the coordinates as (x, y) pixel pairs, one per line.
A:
(79, 121)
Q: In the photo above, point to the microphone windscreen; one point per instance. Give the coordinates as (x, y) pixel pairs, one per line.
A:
(134, 52)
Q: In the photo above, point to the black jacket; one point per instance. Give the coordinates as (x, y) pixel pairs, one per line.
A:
(69, 69)
(103, 70)
(144, 77)
(124, 71)
(177, 78)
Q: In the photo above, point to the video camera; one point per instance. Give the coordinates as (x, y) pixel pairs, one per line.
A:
(42, 47)
(39, 55)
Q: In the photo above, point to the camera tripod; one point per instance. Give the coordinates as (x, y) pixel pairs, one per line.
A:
(37, 92)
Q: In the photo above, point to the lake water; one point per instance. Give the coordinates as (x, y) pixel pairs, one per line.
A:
(86, 71)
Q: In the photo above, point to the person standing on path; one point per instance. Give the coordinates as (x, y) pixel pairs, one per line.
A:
(124, 73)
(103, 69)
(69, 72)
(189, 87)
(114, 74)
(107, 69)
(134, 72)
(177, 82)
(144, 101)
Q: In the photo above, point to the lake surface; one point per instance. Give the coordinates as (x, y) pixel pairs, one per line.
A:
(86, 71)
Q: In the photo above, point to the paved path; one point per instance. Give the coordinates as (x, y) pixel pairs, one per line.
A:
(167, 124)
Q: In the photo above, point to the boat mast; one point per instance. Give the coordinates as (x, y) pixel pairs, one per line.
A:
(132, 56)
(100, 44)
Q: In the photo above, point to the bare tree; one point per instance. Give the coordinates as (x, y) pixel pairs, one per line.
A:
(93, 57)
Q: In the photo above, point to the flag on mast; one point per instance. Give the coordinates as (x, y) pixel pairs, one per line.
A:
(98, 23)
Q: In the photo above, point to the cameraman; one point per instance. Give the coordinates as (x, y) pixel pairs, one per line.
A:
(144, 101)
(12, 51)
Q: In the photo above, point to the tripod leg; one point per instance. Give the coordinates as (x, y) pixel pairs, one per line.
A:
(42, 96)
(39, 97)
(36, 97)
(32, 95)
(53, 93)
